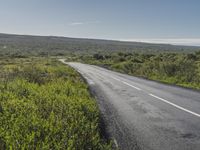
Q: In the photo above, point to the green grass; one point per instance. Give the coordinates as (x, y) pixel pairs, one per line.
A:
(46, 105)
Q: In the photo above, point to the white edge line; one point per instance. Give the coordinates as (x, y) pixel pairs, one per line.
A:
(179, 107)
(116, 144)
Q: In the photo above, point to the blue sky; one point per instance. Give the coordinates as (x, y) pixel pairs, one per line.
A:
(165, 21)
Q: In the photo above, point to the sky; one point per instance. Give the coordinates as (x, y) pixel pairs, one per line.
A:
(158, 21)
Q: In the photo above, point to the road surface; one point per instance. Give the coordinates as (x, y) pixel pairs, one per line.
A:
(143, 114)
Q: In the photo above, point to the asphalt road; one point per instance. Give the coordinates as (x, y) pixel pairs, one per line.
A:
(143, 114)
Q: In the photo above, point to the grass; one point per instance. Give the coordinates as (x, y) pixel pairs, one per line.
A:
(46, 105)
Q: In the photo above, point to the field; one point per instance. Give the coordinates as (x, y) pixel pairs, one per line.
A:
(46, 105)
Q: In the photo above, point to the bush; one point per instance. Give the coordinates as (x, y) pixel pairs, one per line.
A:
(48, 107)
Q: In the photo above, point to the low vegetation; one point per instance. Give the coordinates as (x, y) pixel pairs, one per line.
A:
(23, 46)
(174, 68)
(46, 105)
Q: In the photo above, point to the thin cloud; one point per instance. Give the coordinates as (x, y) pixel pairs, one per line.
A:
(76, 23)
(83, 23)
(180, 41)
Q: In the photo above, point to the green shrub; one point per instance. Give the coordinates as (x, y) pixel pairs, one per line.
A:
(48, 107)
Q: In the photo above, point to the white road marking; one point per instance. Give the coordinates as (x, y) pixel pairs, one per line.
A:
(116, 79)
(172, 104)
(131, 85)
(127, 83)
(115, 141)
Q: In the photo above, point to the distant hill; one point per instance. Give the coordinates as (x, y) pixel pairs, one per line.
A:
(52, 45)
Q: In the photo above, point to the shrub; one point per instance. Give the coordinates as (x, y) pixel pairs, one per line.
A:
(48, 107)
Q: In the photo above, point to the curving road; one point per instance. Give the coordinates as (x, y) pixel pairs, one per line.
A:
(143, 114)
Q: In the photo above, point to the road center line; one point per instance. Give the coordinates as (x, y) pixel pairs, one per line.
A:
(116, 79)
(127, 83)
(172, 104)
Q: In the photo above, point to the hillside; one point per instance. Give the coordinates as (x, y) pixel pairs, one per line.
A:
(50, 45)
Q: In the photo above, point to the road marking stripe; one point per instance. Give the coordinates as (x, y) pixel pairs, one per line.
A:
(131, 85)
(179, 107)
(115, 141)
(116, 79)
(127, 84)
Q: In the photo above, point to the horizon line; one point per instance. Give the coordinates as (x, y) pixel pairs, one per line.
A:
(171, 41)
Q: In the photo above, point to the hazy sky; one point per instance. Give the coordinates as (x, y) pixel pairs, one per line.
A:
(141, 20)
